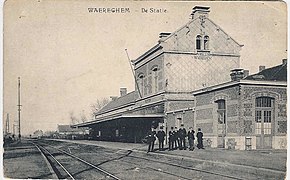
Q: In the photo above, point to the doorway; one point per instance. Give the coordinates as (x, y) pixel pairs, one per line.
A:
(264, 111)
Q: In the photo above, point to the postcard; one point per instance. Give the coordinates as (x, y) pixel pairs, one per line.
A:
(145, 89)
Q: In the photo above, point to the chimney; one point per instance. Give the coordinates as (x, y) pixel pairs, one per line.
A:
(246, 73)
(284, 61)
(123, 91)
(163, 35)
(198, 11)
(261, 68)
(113, 98)
(237, 74)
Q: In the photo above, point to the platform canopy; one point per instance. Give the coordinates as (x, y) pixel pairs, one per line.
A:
(117, 117)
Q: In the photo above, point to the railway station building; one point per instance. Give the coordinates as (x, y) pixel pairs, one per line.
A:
(192, 76)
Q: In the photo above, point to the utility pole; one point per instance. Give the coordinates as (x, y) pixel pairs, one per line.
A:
(14, 128)
(19, 110)
(7, 124)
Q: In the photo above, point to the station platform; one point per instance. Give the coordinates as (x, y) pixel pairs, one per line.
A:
(268, 159)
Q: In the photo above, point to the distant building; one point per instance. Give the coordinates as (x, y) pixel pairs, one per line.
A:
(37, 134)
(67, 132)
(192, 77)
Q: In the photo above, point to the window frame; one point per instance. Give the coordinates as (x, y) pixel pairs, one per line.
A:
(206, 42)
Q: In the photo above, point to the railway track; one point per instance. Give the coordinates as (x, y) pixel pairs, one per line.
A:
(238, 174)
(164, 166)
(63, 171)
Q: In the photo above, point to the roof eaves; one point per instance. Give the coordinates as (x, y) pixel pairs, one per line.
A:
(265, 82)
(147, 53)
(215, 87)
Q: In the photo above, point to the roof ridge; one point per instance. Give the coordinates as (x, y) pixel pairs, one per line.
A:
(185, 25)
(114, 101)
(225, 32)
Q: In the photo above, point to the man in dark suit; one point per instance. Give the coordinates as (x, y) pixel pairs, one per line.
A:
(175, 138)
(199, 136)
(182, 135)
(151, 140)
(190, 136)
(160, 135)
(171, 139)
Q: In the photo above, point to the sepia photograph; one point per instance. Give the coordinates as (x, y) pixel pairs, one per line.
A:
(144, 90)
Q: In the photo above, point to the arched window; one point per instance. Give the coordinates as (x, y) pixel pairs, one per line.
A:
(206, 42)
(198, 42)
(221, 110)
(155, 79)
(140, 83)
(264, 102)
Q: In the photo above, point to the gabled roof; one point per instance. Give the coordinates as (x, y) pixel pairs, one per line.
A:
(187, 24)
(119, 102)
(159, 45)
(276, 73)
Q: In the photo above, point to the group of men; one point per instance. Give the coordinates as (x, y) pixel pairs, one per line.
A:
(177, 139)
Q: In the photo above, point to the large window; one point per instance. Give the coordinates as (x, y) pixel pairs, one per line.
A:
(155, 81)
(221, 111)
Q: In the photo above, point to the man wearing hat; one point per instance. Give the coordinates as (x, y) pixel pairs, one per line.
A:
(190, 136)
(199, 136)
(182, 135)
(160, 135)
(171, 139)
(175, 138)
(151, 140)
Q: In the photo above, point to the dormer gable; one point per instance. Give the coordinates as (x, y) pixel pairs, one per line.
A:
(200, 34)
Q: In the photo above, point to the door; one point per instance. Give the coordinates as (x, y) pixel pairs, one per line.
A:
(264, 123)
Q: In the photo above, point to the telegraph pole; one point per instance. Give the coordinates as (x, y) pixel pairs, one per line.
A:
(7, 124)
(14, 128)
(19, 110)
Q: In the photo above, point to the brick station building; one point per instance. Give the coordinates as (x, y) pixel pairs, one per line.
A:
(192, 77)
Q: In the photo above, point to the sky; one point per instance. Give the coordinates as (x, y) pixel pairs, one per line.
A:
(68, 58)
